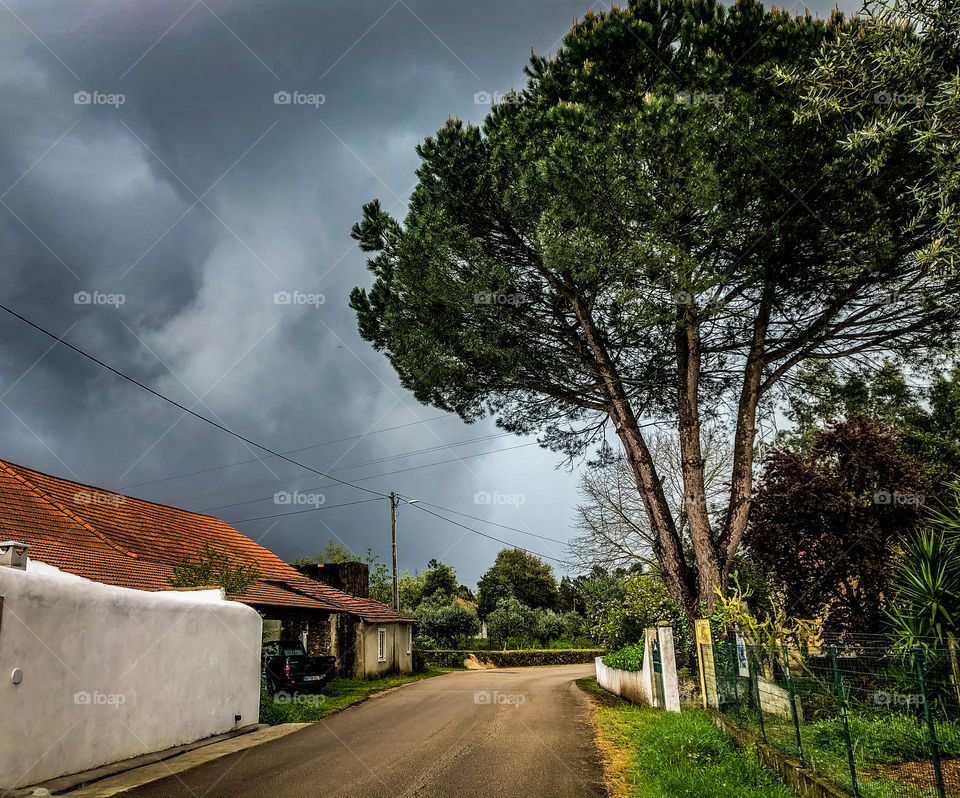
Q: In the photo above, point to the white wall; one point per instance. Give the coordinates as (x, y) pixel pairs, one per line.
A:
(160, 669)
(397, 658)
(638, 686)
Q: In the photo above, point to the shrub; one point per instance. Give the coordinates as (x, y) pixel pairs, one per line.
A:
(628, 658)
(513, 659)
(511, 620)
(445, 620)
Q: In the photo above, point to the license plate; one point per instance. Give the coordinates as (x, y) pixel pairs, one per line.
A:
(311, 678)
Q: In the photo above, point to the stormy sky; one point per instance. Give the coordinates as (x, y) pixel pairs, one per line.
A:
(157, 195)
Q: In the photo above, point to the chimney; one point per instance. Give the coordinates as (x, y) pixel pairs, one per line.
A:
(350, 577)
(14, 554)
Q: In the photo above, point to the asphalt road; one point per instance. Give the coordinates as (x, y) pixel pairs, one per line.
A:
(520, 733)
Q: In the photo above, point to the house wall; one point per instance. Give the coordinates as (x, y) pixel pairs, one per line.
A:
(108, 673)
(396, 658)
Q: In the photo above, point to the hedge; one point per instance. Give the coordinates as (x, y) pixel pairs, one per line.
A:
(628, 658)
(513, 659)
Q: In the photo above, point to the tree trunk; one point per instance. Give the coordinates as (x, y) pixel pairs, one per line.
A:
(691, 458)
(668, 547)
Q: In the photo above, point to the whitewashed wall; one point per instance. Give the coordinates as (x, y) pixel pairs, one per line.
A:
(637, 686)
(108, 673)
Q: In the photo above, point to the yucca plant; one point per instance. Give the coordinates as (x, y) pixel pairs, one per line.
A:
(927, 605)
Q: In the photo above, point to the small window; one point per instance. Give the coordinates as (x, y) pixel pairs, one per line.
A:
(409, 638)
(381, 644)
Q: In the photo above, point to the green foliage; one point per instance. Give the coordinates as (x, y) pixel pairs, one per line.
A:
(682, 755)
(927, 606)
(634, 189)
(894, 81)
(446, 621)
(511, 620)
(517, 574)
(210, 567)
(438, 578)
(645, 603)
(513, 659)
(628, 658)
(888, 738)
(767, 635)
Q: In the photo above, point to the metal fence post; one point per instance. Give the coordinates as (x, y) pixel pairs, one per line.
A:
(838, 685)
(793, 703)
(931, 729)
(735, 673)
(754, 666)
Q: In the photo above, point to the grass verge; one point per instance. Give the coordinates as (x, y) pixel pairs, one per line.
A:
(338, 695)
(654, 754)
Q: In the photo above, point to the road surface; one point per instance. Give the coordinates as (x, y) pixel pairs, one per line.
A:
(515, 733)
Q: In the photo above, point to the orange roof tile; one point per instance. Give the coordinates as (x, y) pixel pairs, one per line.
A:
(130, 542)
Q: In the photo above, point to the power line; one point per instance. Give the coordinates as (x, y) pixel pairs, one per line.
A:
(494, 523)
(308, 510)
(484, 534)
(253, 443)
(375, 476)
(291, 451)
(184, 408)
(281, 480)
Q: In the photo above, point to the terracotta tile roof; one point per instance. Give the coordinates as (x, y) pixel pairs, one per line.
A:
(130, 542)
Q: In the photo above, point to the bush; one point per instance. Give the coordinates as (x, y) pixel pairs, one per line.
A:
(511, 620)
(445, 620)
(514, 659)
(628, 658)
(645, 603)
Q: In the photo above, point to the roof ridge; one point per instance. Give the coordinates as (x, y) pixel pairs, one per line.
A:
(40, 493)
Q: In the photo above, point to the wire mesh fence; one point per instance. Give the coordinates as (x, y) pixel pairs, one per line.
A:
(878, 721)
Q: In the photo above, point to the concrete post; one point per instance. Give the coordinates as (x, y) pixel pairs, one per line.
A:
(668, 657)
(708, 673)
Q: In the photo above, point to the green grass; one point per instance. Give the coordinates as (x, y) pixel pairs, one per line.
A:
(676, 755)
(877, 740)
(339, 694)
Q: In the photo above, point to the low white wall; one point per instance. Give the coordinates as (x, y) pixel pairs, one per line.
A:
(108, 673)
(632, 685)
(637, 686)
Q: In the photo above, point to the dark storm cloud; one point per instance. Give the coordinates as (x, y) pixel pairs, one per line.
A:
(196, 200)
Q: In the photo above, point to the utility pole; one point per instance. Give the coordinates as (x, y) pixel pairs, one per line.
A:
(393, 538)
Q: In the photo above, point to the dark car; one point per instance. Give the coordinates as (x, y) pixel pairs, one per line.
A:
(286, 666)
